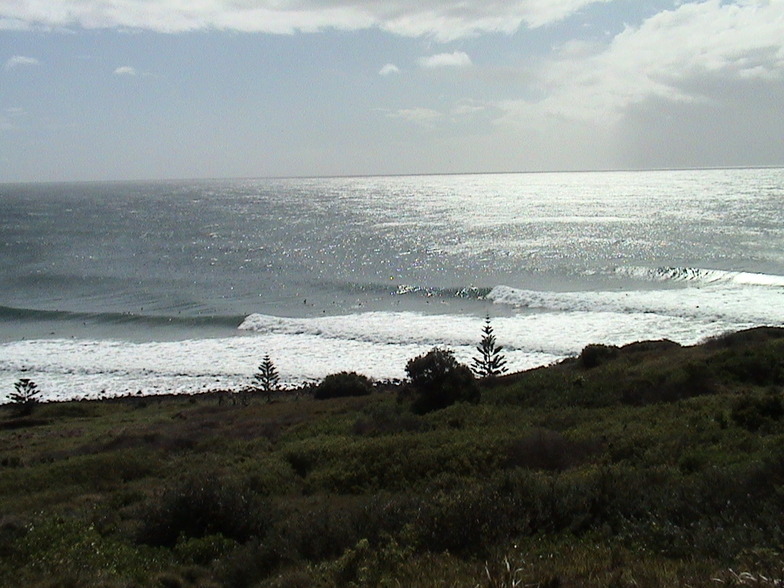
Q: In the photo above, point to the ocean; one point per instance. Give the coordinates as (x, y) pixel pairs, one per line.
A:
(183, 286)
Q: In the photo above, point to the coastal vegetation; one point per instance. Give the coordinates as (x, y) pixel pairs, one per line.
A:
(438, 380)
(650, 464)
(267, 378)
(491, 361)
(25, 396)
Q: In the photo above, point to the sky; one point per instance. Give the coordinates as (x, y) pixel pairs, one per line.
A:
(173, 89)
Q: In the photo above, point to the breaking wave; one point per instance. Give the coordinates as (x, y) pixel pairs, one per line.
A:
(702, 276)
(9, 313)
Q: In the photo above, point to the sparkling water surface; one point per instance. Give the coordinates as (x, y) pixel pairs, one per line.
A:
(111, 288)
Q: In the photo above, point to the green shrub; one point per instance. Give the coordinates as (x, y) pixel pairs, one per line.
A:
(549, 450)
(196, 508)
(388, 420)
(71, 552)
(343, 384)
(322, 531)
(203, 550)
(757, 412)
(440, 381)
(595, 355)
(757, 366)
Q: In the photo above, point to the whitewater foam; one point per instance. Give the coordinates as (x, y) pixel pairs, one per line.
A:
(725, 300)
(702, 276)
(377, 344)
(364, 273)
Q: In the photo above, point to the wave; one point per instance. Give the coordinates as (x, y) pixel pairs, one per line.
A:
(546, 327)
(9, 313)
(737, 305)
(381, 289)
(469, 292)
(377, 344)
(380, 327)
(702, 276)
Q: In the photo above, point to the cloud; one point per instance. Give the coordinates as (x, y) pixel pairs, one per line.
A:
(692, 54)
(125, 70)
(15, 111)
(389, 69)
(443, 20)
(419, 115)
(455, 59)
(9, 115)
(468, 108)
(20, 61)
(463, 110)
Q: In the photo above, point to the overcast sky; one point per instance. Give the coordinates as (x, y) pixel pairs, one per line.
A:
(147, 89)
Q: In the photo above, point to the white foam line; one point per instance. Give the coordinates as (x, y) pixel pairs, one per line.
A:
(704, 276)
(306, 350)
(730, 303)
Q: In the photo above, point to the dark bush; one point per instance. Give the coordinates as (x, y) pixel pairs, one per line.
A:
(741, 338)
(690, 380)
(759, 367)
(549, 450)
(595, 355)
(754, 412)
(385, 420)
(440, 381)
(206, 506)
(320, 532)
(655, 346)
(343, 384)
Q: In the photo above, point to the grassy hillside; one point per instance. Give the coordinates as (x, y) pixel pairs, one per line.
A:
(647, 465)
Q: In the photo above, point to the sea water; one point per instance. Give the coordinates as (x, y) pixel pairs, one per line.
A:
(183, 286)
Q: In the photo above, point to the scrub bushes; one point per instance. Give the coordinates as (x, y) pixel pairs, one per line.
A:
(343, 384)
(199, 507)
(440, 381)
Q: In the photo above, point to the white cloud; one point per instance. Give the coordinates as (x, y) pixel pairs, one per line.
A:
(463, 110)
(389, 69)
(125, 70)
(467, 108)
(689, 54)
(443, 20)
(20, 61)
(455, 59)
(424, 116)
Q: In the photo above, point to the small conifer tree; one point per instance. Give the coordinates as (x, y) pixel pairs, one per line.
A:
(267, 378)
(25, 396)
(490, 362)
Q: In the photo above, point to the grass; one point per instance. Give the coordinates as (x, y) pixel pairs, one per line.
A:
(647, 465)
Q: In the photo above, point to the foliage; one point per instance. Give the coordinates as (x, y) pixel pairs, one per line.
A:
(754, 412)
(25, 396)
(490, 362)
(343, 384)
(661, 467)
(267, 377)
(198, 507)
(440, 381)
(594, 355)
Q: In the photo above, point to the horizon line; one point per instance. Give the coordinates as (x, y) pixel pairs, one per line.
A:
(395, 175)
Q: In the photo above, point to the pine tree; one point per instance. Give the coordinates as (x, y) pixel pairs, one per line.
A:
(490, 362)
(25, 397)
(267, 378)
